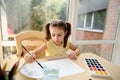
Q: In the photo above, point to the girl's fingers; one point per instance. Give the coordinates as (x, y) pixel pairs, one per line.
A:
(29, 58)
(72, 56)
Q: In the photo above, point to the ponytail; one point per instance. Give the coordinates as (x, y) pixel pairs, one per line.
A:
(48, 36)
(68, 30)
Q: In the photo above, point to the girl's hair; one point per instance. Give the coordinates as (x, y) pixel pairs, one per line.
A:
(61, 25)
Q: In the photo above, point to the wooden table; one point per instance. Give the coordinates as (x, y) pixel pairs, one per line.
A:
(114, 70)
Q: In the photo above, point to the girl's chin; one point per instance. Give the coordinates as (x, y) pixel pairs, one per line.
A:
(58, 43)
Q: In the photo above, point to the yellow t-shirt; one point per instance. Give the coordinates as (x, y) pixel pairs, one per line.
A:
(53, 50)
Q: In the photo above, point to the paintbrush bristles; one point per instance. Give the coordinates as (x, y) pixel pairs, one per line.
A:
(4, 66)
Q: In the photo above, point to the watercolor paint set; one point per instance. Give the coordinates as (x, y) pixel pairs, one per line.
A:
(96, 68)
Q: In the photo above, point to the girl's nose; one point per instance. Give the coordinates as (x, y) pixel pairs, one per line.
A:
(56, 38)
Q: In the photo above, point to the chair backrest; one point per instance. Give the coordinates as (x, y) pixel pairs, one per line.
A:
(31, 39)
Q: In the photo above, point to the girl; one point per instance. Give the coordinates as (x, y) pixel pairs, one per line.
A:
(57, 34)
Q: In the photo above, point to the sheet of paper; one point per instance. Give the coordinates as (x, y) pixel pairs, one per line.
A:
(67, 67)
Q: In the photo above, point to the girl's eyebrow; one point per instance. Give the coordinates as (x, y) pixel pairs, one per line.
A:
(57, 33)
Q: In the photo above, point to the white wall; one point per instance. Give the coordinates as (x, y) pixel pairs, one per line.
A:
(116, 53)
(116, 50)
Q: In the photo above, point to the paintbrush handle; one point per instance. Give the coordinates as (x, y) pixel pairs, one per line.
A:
(39, 64)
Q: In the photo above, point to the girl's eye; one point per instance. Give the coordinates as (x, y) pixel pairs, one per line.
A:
(53, 35)
(59, 35)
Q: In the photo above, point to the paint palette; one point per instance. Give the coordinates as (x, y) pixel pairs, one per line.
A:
(96, 68)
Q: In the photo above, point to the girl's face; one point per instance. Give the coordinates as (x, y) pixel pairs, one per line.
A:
(57, 35)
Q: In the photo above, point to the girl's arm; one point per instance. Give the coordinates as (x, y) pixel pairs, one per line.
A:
(43, 47)
(75, 51)
(31, 58)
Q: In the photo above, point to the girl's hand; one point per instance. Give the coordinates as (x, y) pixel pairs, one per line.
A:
(30, 58)
(72, 56)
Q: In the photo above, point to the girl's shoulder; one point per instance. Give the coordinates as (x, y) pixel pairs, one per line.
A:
(68, 42)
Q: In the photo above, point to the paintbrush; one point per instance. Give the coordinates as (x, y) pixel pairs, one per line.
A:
(2, 74)
(14, 68)
(31, 55)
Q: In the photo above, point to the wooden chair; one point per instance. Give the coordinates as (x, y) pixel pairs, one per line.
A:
(30, 39)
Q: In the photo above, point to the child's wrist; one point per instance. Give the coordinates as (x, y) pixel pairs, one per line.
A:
(76, 54)
(34, 52)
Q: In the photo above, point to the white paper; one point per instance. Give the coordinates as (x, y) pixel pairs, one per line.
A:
(66, 67)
